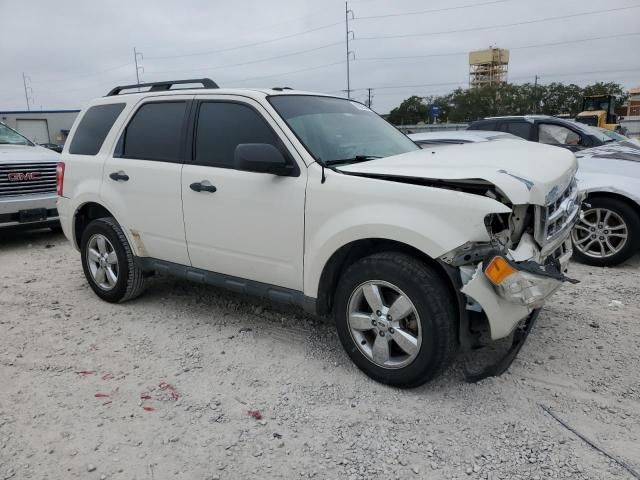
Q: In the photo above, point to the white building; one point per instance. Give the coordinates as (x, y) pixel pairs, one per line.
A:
(41, 126)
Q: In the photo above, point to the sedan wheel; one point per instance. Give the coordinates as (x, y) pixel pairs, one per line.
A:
(600, 233)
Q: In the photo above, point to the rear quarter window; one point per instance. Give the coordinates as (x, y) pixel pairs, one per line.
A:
(94, 127)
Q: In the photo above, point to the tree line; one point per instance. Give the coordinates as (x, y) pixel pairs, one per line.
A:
(464, 105)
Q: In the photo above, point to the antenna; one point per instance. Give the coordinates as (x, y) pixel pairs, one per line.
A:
(348, 12)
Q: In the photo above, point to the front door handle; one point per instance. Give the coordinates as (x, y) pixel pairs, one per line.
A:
(203, 186)
(119, 176)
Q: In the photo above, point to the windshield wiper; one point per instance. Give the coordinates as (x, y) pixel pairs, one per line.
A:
(356, 159)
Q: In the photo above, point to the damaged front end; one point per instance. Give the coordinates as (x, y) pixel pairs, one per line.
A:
(505, 281)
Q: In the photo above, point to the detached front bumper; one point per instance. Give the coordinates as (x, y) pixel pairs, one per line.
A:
(507, 291)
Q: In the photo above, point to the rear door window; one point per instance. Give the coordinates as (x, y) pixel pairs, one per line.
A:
(93, 128)
(155, 132)
(519, 129)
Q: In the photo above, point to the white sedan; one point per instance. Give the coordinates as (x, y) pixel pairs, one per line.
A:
(608, 232)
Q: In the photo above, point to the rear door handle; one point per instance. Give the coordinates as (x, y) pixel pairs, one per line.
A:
(119, 176)
(203, 186)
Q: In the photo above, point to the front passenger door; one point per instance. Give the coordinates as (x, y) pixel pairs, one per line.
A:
(561, 136)
(244, 224)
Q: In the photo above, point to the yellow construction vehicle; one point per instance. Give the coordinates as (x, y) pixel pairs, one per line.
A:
(599, 111)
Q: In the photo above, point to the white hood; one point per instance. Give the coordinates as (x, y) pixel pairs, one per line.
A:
(27, 153)
(525, 172)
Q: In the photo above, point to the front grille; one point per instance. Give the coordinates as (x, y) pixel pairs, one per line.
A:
(554, 221)
(27, 178)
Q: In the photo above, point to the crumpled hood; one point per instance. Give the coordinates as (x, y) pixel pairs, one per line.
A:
(27, 153)
(525, 172)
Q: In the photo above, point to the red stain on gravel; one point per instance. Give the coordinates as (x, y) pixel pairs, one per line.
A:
(147, 408)
(170, 389)
(255, 414)
(102, 395)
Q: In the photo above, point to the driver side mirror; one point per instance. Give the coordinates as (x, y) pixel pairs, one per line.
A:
(262, 158)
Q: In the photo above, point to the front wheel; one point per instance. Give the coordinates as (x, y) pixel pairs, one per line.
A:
(607, 234)
(395, 318)
(108, 262)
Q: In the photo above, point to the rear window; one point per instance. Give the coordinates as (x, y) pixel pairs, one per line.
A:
(519, 129)
(482, 125)
(94, 127)
(155, 132)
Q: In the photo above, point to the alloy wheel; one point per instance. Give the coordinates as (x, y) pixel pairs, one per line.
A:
(102, 261)
(384, 324)
(600, 233)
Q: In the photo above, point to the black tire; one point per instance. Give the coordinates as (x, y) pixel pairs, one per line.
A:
(630, 218)
(130, 281)
(432, 300)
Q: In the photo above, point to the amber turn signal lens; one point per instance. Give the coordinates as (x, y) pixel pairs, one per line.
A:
(498, 269)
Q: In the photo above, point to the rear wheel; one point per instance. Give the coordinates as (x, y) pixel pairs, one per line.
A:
(108, 262)
(607, 234)
(395, 318)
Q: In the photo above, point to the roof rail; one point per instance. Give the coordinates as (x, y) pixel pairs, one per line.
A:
(162, 86)
(279, 89)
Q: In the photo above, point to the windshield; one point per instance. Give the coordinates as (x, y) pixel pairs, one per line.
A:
(338, 130)
(596, 103)
(611, 134)
(593, 131)
(11, 137)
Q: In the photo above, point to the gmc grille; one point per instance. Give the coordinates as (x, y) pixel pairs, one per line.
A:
(27, 178)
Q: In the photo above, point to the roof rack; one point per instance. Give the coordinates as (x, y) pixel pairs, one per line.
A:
(279, 89)
(163, 86)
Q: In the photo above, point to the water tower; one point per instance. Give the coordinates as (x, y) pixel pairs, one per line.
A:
(488, 67)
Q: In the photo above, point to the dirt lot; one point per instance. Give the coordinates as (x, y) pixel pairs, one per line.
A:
(160, 387)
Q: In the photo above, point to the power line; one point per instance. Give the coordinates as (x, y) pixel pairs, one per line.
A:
(94, 74)
(528, 77)
(475, 29)
(231, 65)
(434, 10)
(246, 45)
(291, 72)
(466, 52)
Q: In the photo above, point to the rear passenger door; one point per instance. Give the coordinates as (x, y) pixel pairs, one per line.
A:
(141, 179)
(252, 225)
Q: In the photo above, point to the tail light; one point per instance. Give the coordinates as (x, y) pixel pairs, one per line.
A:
(60, 178)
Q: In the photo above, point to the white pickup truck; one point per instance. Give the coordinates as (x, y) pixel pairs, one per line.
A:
(316, 201)
(27, 183)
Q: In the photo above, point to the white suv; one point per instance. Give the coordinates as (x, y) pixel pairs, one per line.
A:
(316, 201)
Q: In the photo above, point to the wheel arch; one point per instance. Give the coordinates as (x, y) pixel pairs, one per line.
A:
(353, 251)
(615, 196)
(85, 214)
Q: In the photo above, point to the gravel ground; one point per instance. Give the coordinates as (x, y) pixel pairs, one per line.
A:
(161, 387)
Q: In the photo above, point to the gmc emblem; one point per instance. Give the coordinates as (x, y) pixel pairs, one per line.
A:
(23, 177)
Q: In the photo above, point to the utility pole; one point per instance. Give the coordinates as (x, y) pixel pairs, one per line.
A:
(369, 97)
(535, 94)
(349, 52)
(26, 89)
(139, 68)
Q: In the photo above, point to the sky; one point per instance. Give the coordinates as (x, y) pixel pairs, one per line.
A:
(73, 51)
